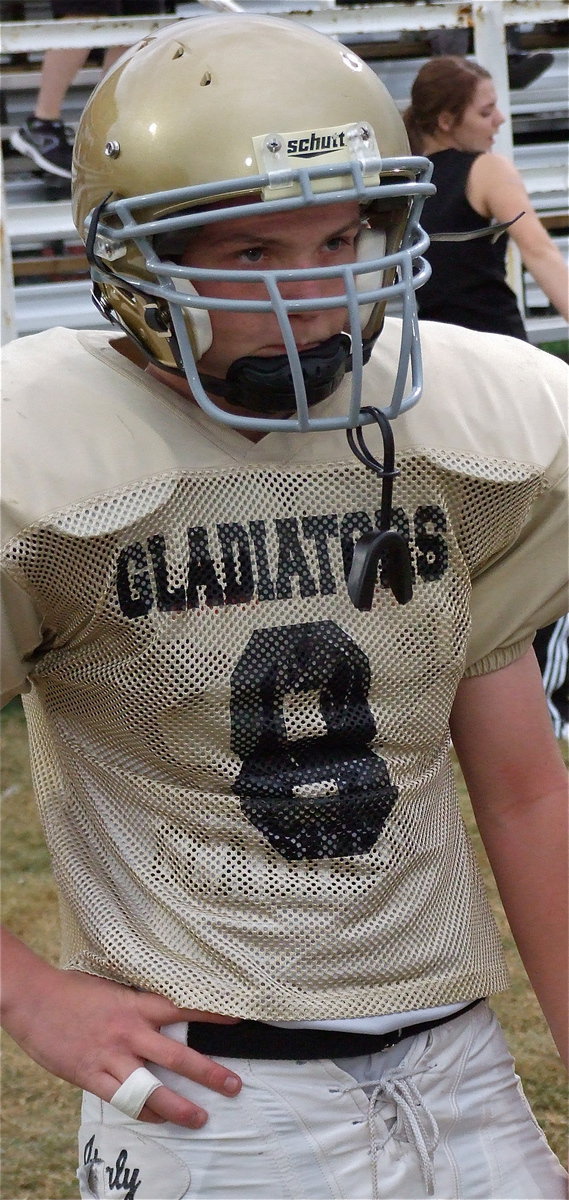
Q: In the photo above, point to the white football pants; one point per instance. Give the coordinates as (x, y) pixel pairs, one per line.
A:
(441, 1114)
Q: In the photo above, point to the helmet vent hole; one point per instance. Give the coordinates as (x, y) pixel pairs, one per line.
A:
(178, 52)
(205, 79)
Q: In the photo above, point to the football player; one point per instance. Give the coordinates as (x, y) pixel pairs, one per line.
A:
(264, 556)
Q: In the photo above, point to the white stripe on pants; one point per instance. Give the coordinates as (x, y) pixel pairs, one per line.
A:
(441, 1114)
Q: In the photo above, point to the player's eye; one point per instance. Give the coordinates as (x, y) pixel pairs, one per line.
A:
(340, 241)
(251, 254)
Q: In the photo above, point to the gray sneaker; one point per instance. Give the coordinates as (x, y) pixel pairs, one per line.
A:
(48, 143)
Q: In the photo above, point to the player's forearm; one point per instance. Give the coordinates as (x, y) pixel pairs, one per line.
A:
(25, 978)
(517, 783)
(527, 850)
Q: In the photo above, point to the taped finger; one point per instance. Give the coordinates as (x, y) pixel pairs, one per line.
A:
(132, 1095)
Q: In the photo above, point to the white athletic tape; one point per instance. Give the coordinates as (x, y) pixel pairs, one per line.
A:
(134, 1092)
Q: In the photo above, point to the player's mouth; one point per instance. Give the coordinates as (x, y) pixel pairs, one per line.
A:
(280, 348)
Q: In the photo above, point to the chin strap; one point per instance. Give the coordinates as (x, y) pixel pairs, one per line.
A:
(386, 546)
(266, 386)
(493, 232)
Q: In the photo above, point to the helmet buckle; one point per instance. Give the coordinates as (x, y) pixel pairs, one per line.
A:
(108, 250)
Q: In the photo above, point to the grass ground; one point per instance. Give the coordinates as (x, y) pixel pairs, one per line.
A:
(39, 1116)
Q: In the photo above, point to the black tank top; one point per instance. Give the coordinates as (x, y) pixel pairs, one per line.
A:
(468, 284)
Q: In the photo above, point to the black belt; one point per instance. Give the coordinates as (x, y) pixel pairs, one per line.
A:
(255, 1039)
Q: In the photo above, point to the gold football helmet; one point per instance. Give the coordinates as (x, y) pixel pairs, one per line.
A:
(270, 113)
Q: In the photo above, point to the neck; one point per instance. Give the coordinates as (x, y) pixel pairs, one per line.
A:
(438, 141)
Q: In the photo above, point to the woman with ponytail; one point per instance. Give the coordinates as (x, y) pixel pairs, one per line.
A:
(453, 119)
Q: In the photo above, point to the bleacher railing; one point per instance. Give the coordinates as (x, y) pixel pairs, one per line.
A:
(488, 20)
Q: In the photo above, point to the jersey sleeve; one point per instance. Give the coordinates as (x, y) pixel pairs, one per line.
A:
(21, 623)
(526, 587)
(21, 634)
(523, 590)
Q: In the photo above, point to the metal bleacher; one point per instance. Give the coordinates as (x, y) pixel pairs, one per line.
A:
(44, 270)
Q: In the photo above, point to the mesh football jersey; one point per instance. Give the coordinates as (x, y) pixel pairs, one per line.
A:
(245, 782)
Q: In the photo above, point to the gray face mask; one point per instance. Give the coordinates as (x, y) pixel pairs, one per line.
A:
(172, 298)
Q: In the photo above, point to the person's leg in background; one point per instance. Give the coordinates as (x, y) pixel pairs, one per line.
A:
(44, 137)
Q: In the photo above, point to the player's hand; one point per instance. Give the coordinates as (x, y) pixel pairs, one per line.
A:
(94, 1033)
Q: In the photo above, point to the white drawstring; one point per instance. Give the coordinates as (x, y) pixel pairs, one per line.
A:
(421, 1129)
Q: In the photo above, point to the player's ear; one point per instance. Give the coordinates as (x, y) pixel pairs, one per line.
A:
(446, 121)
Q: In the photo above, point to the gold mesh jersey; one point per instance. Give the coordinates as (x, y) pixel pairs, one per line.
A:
(244, 781)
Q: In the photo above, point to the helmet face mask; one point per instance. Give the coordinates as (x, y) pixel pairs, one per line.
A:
(328, 153)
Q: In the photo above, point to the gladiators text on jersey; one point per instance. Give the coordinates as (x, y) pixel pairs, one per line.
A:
(231, 563)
